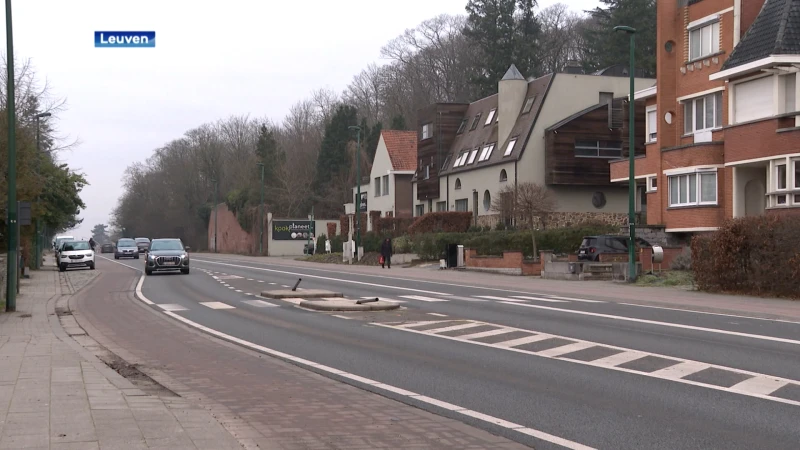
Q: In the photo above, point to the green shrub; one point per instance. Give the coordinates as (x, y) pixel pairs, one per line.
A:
(446, 222)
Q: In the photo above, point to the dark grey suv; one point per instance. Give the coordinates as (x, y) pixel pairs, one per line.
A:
(166, 255)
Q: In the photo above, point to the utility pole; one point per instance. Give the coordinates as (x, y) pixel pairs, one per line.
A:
(12, 225)
(216, 186)
(38, 240)
(261, 215)
(358, 188)
(631, 151)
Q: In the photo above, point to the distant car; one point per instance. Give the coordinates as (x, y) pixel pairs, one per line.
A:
(107, 248)
(143, 244)
(593, 246)
(166, 255)
(75, 254)
(126, 248)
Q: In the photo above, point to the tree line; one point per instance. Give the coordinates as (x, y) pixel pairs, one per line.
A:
(52, 187)
(309, 157)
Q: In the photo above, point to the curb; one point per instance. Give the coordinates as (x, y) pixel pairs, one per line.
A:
(339, 306)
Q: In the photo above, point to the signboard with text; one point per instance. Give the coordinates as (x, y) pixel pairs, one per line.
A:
(362, 205)
(292, 230)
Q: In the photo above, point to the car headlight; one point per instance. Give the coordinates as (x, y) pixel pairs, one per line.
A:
(89, 254)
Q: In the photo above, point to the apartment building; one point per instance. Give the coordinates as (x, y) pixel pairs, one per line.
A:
(722, 128)
(558, 130)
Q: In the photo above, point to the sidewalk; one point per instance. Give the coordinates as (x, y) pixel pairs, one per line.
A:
(56, 395)
(768, 308)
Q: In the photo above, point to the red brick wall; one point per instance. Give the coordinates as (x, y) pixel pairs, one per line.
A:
(750, 9)
(645, 256)
(509, 260)
(231, 238)
(759, 139)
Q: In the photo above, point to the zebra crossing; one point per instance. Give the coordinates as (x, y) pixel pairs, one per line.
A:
(609, 357)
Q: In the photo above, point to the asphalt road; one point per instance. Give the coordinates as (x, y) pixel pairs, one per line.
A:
(629, 377)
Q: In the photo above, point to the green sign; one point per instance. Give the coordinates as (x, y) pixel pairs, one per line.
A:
(292, 230)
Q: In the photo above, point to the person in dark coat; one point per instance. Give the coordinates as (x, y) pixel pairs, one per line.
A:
(386, 252)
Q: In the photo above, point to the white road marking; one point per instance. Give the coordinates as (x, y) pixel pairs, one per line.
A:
(283, 285)
(230, 277)
(261, 281)
(666, 324)
(463, 326)
(422, 299)
(363, 283)
(231, 287)
(238, 290)
(249, 279)
(484, 334)
(710, 313)
(759, 385)
(539, 299)
(172, 307)
(502, 299)
(375, 384)
(437, 314)
(249, 293)
(258, 303)
(272, 284)
(341, 317)
(573, 299)
(217, 305)
(295, 301)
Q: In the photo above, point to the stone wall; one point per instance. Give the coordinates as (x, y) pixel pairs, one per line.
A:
(656, 235)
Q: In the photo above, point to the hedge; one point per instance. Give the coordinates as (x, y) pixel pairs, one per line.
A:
(750, 255)
(392, 226)
(447, 222)
(560, 240)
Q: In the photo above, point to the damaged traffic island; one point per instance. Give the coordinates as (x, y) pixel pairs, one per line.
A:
(322, 300)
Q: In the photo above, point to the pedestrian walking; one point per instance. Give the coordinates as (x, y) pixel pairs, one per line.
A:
(386, 253)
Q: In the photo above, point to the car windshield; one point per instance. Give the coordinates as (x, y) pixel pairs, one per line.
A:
(72, 246)
(166, 245)
(126, 243)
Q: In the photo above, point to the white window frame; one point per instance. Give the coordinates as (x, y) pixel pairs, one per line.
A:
(597, 148)
(503, 179)
(709, 36)
(419, 210)
(385, 185)
(650, 186)
(526, 108)
(698, 176)
(690, 104)
(486, 153)
(427, 130)
(427, 172)
(651, 135)
(788, 196)
(377, 186)
(510, 147)
(489, 117)
(472, 155)
(457, 184)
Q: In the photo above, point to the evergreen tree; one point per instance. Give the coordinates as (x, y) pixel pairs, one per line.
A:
(398, 123)
(605, 47)
(373, 137)
(333, 158)
(505, 32)
(100, 233)
(269, 154)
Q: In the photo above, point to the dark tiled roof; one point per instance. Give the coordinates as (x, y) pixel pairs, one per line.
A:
(402, 148)
(488, 134)
(776, 31)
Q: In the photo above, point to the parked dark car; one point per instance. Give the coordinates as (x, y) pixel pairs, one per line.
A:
(593, 246)
(166, 255)
(107, 248)
(126, 248)
(143, 243)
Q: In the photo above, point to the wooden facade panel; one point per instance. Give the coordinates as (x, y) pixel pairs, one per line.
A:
(446, 119)
(564, 167)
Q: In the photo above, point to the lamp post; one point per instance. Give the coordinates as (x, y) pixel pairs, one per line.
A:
(358, 187)
(11, 228)
(261, 215)
(38, 244)
(216, 186)
(631, 150)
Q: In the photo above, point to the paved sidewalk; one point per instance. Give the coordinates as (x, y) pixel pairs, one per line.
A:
(56, 395)
(770, 308)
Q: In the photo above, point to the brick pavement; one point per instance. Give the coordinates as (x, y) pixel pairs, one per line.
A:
(671, 297)
(263, 401)
(56, 395)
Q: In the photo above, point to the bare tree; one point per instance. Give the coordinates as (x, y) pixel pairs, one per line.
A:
(531, 204)
(560, 36)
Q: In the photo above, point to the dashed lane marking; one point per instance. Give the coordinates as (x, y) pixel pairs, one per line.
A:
(259, 303)
(422, 298)
(341, 317)
(610, 357)
(540, 299)
(437, 314)
(217, 305)
(172, 307)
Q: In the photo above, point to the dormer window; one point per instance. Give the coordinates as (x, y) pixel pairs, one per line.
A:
(463, 126)
(490, 117)
(427, 131)
(528, 104)
(475, 122)
(486, 153)
(510, 147)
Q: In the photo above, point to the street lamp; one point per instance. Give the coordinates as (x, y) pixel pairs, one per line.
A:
(216, 186)
(631, 164)
(358, 187)
(11, 228)
(261, 215)
(38, 239)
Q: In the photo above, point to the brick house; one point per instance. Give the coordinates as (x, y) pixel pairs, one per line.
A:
(722, 131)
(558, 130)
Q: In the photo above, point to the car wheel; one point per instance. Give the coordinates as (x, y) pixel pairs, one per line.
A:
(148, 272)
(62, 267)
(116, 256)
(185, 271)
(91, 266)
(136, 257)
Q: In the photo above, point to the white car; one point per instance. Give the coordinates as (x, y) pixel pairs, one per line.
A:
(75, 254)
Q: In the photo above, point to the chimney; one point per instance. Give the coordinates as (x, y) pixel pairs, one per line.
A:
(573, 66)
(511, 92)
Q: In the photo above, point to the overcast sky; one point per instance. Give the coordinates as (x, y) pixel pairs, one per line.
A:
(211, 60)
